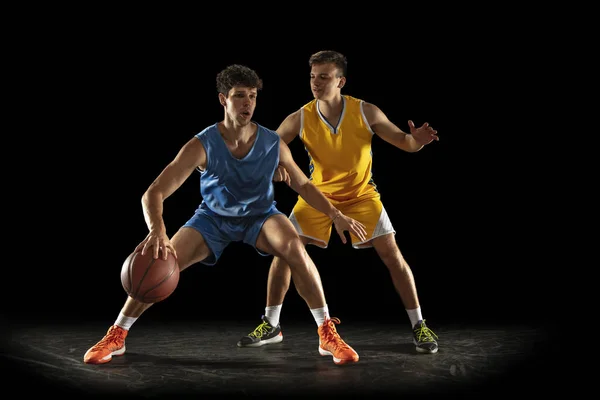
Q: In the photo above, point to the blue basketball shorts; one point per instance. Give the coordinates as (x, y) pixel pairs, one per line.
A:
(218, 231)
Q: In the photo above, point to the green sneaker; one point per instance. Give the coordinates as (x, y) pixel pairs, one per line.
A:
(263, 334)
(423, 338)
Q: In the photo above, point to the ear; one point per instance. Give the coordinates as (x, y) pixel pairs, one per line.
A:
(222, 99)
(342, 82)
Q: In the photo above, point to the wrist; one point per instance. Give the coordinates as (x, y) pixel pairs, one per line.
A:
(336, 215)
(415, 142)
(158, 228)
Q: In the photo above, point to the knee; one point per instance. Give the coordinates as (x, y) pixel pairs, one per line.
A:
(293, 251)
(392, 257)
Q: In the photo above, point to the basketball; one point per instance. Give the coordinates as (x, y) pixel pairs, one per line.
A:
(147, 279)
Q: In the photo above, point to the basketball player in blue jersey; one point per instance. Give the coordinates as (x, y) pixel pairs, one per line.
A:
(237, 159)
(336, 131)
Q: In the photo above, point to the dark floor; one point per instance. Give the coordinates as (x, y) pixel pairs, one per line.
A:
(184, 358)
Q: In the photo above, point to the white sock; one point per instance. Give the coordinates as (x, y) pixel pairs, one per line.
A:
(272, 313)
(320, 314)
(124, 321)
(415, 316)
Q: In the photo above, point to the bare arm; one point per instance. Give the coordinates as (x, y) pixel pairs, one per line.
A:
(287, 131)
(303, 186)
(290, 127)
(388, 131)
(313, 196)
(190, 156)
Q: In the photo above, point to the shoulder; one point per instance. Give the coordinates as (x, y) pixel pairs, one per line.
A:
(296, 116)
(207, 131)
(311, 105)
(266, 130)
(291, 124)
(369, 107)
(370, 111)
(270, 134)
(352, 99)
(371, 114)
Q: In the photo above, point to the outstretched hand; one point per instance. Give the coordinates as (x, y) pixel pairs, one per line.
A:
(281, 175)
(156, 241)
(343, 223)
(424, 134)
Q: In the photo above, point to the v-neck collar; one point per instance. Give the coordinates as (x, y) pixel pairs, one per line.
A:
(251, 148)
(333, 129)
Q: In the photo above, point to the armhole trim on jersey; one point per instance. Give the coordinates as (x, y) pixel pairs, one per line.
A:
(205, 152)
(301, 122)
(362, 112)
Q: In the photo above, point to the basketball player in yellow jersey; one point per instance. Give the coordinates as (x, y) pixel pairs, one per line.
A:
(336, 131)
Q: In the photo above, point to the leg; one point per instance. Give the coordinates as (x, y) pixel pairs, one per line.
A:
(278, 281)
(278, 237)
(372, 214)
(314, 228)
(191, 248)
(404, 282)
(402, 276)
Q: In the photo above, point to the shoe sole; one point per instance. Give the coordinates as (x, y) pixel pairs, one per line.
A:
(273, 340)
(420, 350)
(107, 358)
(424, 351)
(338, 361)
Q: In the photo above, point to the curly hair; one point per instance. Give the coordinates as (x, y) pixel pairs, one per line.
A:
(237, 75)
(330, 56)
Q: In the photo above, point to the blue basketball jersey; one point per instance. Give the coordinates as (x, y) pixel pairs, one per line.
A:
(234, 187)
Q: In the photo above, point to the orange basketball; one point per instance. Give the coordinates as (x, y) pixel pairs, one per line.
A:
(147, 279)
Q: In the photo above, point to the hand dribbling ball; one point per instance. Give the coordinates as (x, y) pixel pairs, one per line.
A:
(147, 279)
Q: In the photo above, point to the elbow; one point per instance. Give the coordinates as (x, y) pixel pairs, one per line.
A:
(147, 194)
(151, 193)
(145, 198)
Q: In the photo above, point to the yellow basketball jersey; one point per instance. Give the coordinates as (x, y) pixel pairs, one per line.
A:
(340, 156)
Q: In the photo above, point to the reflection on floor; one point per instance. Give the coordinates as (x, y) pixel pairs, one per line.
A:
(163, 360)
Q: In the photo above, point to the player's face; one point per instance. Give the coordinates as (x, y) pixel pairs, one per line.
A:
(240, 104)
(324, 81)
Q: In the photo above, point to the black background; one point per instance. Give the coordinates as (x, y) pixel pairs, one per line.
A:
(109, 109)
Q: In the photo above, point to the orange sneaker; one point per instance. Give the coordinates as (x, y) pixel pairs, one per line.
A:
(331, 344)
(112, 344)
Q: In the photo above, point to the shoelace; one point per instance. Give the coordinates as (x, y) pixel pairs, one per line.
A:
(261, 330)
(112, 338)
(331, 335)
(424, 334)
